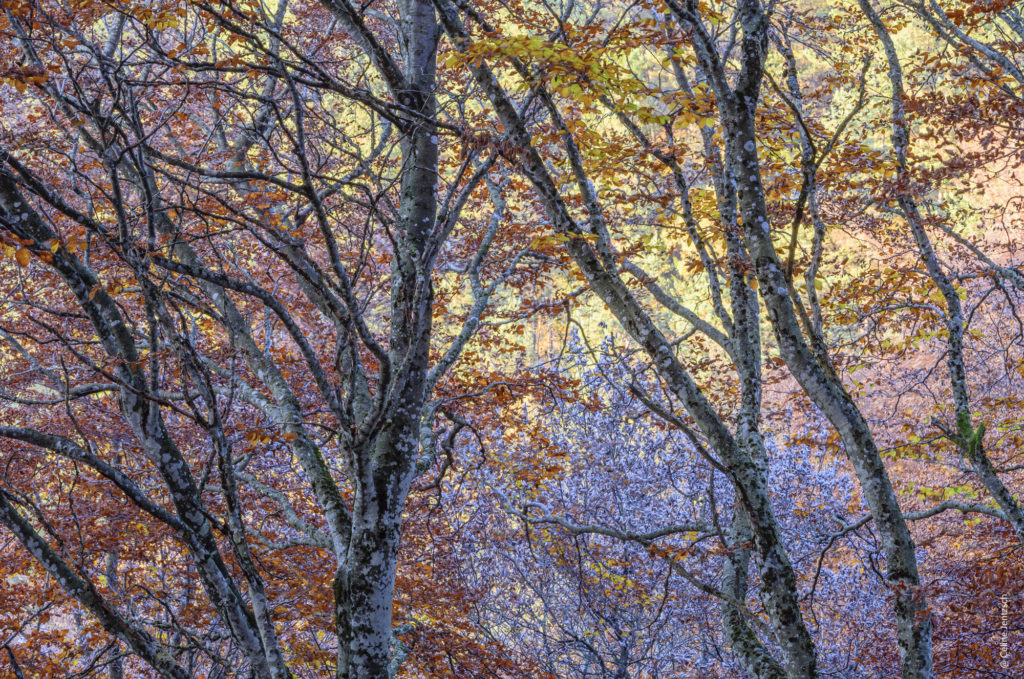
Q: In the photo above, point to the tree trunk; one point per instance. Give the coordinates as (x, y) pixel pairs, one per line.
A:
(914, 626)
(384, 466)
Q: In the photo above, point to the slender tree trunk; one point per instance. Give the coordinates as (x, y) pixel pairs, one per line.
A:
(745, 645)
(914, 626)
(967, 436)
(743, 458)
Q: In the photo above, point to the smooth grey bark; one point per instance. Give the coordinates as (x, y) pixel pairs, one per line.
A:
(252, 629)
(977, 51)
(742, 638)
(142, 643)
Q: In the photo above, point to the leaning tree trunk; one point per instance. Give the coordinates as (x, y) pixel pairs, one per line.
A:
(738, 107)
(739, 456)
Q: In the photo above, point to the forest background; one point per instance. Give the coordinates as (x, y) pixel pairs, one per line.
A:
(567, 338)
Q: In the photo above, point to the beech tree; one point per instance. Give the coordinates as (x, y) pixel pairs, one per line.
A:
(510, 338)
(227, 223)
(730, 52)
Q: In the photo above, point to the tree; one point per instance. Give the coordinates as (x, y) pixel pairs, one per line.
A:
(276, 276)
(620, 565)
(226, 232)
(730, 57)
